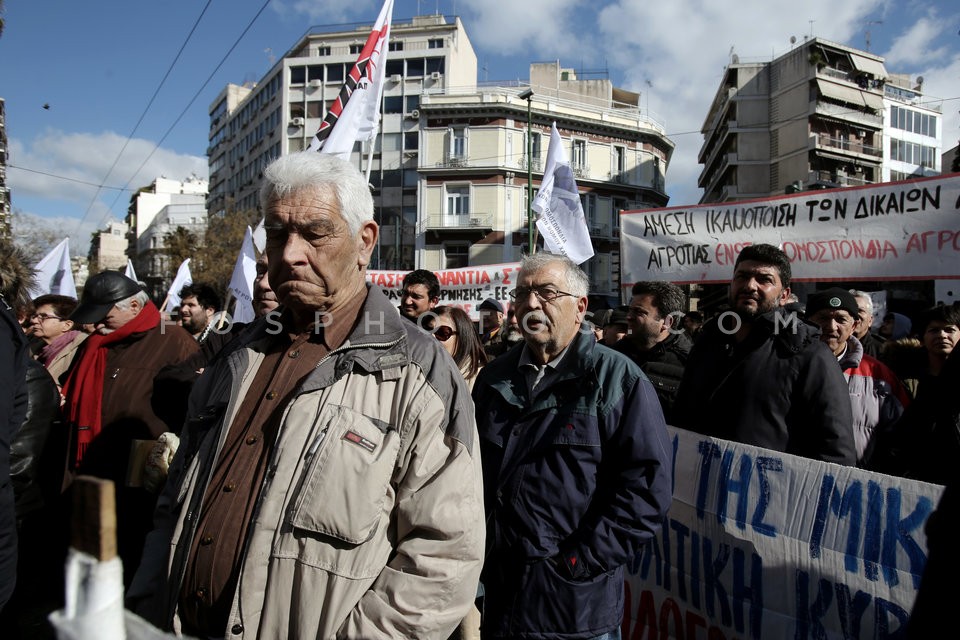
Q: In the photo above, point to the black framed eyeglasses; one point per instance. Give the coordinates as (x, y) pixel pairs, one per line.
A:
(443, 333)
(43, 317)
(544, 293)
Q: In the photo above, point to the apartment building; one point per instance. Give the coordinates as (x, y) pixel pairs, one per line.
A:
(108, 247)
(822, 115)
(449, 170)
(252, 125)
(474, 167)
(154, 211)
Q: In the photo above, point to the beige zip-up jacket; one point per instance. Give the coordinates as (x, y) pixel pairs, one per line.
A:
(370, 520)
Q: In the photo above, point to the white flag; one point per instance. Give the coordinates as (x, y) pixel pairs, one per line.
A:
(355, 114)
(260, 236)
(129, 272)
(560, 217)
(183, 279)
(54, 274)
(241, 282)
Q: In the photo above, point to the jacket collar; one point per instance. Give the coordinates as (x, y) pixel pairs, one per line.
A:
(853, 355)
(507, 379)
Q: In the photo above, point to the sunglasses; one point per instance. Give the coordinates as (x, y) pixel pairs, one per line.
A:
(443, 333)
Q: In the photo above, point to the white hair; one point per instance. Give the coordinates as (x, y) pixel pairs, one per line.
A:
(867, 300)
(311, 170)
(140, 296)
(577, 281)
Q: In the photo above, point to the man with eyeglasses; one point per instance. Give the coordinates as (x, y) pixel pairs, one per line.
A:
(576, 466)
(656, 342)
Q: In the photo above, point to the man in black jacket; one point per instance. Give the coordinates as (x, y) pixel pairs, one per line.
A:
(762, 377)
(656, 341)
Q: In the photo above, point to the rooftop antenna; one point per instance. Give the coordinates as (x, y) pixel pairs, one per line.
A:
(811, 27)
(866, 34)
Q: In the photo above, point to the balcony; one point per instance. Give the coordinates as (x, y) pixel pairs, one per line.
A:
(536, 166)
(581, 170)
(460, 222)
(453, 162)
(824, 141)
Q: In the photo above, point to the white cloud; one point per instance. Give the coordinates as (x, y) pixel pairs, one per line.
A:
(682, 47)
(69, 166)
(912, 47)
(546, 28)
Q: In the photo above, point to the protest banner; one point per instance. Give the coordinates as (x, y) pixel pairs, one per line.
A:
(464, 288)
(891, 231)
(760, 544)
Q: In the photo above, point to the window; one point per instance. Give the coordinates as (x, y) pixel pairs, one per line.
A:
(413, 102)
(298, 75)
(390, 142)
(619, 161)
(296, 109)
(315, 109)
(395, 46)
(913, 121)
(356, 48)
(394, 67)
(335, 73)
(315, 72)
(536, 139)
(411, 140)
(393, 104)
(323, 51)
(415, 68)
(456, 256)
(589, 203)
(458, 143)
(435, 43)
(434, 65)
(458, 200)
(579, 155)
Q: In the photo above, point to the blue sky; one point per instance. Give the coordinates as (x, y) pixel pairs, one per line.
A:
(96, 65)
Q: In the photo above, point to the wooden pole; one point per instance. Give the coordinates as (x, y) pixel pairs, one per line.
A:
(93, 527)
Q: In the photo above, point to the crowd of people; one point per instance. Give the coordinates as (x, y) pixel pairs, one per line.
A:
(344, 467)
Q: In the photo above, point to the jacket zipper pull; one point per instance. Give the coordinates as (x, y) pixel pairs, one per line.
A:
(315, 445)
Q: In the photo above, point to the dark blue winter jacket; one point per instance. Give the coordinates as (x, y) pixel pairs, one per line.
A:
(576, 481)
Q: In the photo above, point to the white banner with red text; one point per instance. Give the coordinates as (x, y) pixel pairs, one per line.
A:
(891, 231)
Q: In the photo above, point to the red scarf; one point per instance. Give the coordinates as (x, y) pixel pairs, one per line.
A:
(83, 389)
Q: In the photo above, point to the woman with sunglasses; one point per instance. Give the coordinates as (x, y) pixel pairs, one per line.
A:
(51, 323)
(455, 331)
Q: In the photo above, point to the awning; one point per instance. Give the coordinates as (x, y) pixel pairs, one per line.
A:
(873, 101)
(868, 65)
(839, 92)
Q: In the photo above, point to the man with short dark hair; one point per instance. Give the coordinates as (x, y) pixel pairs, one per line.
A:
(419, 293)
(328, 480)
(656, 342)
(199, 303)
(491, 327)
(877, 397)
(763, 378)
(576, 466)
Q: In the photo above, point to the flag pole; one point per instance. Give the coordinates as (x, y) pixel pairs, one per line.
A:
(223, 312)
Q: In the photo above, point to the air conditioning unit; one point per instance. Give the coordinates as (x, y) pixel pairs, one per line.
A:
(414, 114)
(435, 75)
(316, 83)
(297, 122)
(396, 77)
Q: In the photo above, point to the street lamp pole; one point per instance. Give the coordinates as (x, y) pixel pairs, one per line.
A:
(527, 95)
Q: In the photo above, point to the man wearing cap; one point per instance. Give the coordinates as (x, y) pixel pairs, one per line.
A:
(491, 328)
(109, 394)
(615, 326)
(876, 395)
(761, 377)
(656, 342)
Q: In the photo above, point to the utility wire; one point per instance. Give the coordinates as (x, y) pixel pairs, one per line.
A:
(142, 116)
(192, 100)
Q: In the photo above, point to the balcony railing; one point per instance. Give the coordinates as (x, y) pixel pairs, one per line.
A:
(460, 221)
(845, 144)
(536, 166)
